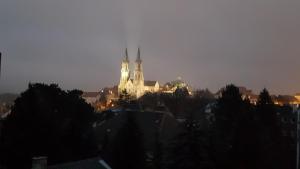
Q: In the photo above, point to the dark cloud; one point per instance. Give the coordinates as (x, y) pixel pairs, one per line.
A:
(209, 43)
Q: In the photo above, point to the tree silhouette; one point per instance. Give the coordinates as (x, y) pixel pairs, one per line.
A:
(124, 99)
(181, 92)
(150, 100)
(266, 108)
(189, 150)
(47, 121)
(270, 135)
(229, 109)
(128, 149)
(230, 112)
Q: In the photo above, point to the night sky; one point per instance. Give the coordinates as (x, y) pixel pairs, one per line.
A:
(209, 43)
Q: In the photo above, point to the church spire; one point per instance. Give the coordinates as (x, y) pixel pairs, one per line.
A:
(138, 80)
(138, 59)
(125, 73)
(126, 58)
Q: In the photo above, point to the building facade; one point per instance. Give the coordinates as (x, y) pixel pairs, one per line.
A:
(137, 86)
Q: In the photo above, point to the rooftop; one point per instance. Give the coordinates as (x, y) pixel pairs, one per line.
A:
(149, 83)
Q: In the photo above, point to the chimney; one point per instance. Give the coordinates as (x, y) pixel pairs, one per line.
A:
(39, 163)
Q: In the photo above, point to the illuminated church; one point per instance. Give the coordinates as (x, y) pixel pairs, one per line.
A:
(135, 86)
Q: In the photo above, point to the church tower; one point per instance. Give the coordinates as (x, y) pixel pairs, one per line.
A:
(138, 80)
(125, 73)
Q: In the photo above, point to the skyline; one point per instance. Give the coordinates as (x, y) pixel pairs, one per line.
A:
(209, 43)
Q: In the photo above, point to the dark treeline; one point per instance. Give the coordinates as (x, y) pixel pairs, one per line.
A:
(47, 121)
(226, 132)
(216, 133)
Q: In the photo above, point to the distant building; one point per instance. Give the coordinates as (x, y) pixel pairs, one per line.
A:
(109, 93)
(248, 94)
(108, 97)
(285, 100)
(91, 97)
(172, 86)
(137, 86)
(151, 86)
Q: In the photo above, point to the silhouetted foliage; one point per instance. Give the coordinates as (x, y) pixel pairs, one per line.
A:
(177, 103)
(189, 150)
(234, 117)
(128, 149)
(47, 121)
(247, 136)
(229, 109)
(150, 100)
(266, 109)
(181, 92)
(200, 100)
(204, 95)
(124, 99)
(270, 135)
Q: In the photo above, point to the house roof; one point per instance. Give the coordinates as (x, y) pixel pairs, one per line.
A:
(149, 83)
(93, 163)
(90, 94)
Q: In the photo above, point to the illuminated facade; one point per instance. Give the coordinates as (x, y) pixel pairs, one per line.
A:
(171, 87)
(138, 81)
(137, 86)
(125, 74)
